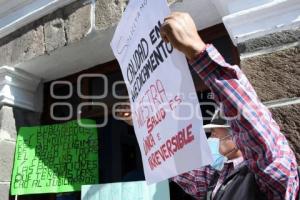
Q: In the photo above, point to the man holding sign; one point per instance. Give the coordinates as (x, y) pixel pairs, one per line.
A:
(267, 168)
(160, 91)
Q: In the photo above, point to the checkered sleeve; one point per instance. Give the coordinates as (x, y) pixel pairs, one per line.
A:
(196, 182)
(256, 134)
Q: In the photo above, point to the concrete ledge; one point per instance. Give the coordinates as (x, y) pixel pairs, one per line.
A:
(273, 40)
(258, 21)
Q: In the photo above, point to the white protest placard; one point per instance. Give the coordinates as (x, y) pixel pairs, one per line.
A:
(166, 113)
(137, 190)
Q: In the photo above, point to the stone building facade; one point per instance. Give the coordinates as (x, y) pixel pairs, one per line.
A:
(60, 38)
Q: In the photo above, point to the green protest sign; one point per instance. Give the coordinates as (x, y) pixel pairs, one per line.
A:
(55, 158)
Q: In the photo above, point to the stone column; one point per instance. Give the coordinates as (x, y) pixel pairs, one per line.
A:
(7, 148)
(21, 103)
(267, 34)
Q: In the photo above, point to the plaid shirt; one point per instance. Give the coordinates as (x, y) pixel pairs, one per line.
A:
(256, 134)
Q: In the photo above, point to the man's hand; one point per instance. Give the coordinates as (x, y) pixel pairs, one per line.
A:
(180, 30)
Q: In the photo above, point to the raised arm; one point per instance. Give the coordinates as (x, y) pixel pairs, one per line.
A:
(197, 182)
(257, 135)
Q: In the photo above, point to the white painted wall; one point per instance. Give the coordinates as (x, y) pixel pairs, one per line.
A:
(20, 89)
(226, 7)
(260, 20)
(203, 12)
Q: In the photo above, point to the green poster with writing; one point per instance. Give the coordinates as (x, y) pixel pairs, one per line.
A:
(55, 158)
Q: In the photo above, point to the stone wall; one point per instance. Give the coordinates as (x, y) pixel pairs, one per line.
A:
(289, 122)
(10, 121)
(61, 28)
(45, 35)
(7, 149)
(272, 64)
(275, 75)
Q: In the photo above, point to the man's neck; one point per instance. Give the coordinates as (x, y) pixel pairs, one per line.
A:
(236, 153)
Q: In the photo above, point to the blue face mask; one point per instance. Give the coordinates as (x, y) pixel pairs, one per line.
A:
(218, 159)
